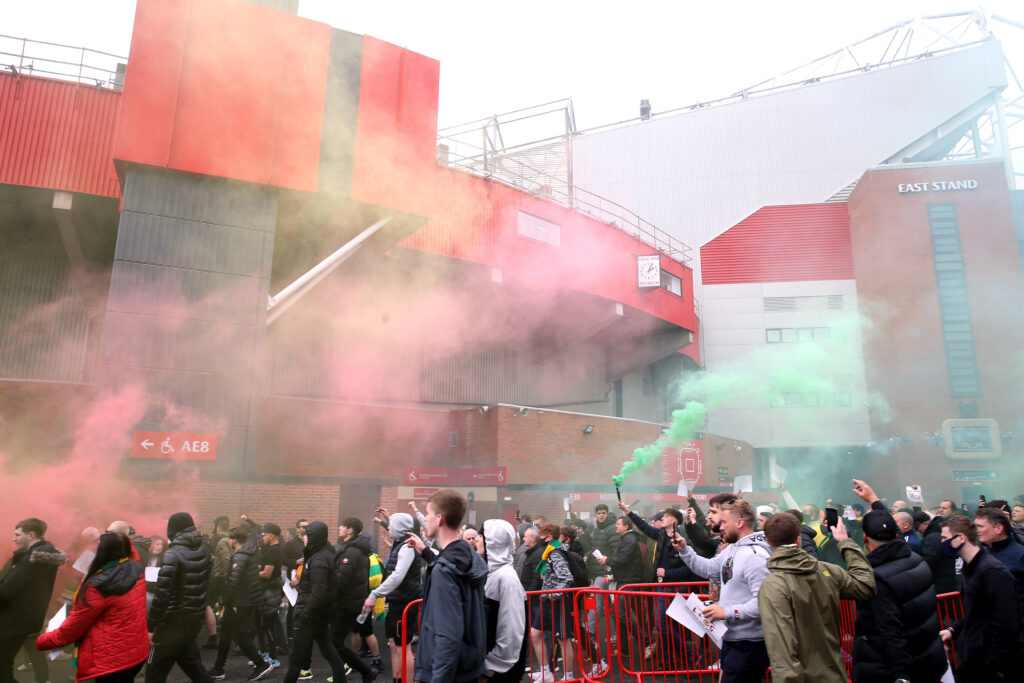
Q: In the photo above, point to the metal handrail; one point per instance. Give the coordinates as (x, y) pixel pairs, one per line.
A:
(513, 171)
(29, 57)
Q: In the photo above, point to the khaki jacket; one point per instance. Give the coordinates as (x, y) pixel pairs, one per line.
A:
(799, 603)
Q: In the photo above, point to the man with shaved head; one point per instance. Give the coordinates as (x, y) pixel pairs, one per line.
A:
(905, 521)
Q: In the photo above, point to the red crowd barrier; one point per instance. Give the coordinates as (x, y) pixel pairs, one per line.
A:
(594, 629)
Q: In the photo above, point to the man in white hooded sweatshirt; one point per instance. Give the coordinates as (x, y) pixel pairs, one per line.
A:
(505, 606)
(742, 567)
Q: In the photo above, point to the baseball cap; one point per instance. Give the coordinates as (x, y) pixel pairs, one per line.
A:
(879, 526)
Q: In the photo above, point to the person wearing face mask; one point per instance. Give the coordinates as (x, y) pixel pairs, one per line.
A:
(986, 637)
(504, 606)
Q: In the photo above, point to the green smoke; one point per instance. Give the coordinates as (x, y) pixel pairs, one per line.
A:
(684, 423)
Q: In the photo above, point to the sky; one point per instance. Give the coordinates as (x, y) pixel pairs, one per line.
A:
(498, 57)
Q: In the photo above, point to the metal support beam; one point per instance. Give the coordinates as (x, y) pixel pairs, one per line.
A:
(66, 225)
(284, 299)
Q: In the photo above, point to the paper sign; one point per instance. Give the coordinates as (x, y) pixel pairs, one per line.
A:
(597, 553)
(55, 621)
(291, 594)
(151, 574)
(565, 504)
(915, 494)
(682, 489)
(744, 483)
(948, 676)
(81, 565)
(689, 613)
(778, 474)
(849, 512)
(584, 515)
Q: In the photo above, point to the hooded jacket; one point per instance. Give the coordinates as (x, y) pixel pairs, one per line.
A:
(897, 632)
(799, 603)
(1011, 553)
(943, 568)
(318, 586)
(180, 592)
(109, 622)
(403, 566)
(505, 600)
(807, 535)
(453, 628)
(352, 559)
(986, 637)
(244, 588)
(26, 583)
(742, 568)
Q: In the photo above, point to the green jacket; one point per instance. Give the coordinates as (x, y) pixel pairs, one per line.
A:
(222, 558)
(799, 603)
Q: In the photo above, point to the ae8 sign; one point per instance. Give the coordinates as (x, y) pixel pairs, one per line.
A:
(174, 445)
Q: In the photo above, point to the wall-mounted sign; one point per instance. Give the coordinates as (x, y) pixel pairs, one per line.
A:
(539, 229)
(174, 446)
(938, 186)
(465, 476)
(972, 438)
(648, 271)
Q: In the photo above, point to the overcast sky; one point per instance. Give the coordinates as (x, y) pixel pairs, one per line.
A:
(496, 56)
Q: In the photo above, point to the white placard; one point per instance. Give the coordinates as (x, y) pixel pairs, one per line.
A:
(55, 621)
(915, 494)
(472, 517)
(689, 613)
(849, 512)
(584, 515)
(291, 594)
(778, 474)
(682, 489)
(81, 565)
(565, 504)
(597, 554)
(151, 574)
(744, 483)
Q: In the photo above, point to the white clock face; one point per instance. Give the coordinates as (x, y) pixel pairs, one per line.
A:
(648, 269)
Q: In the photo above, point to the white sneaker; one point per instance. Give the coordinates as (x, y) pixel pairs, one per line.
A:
(542, 675)
(598, 669)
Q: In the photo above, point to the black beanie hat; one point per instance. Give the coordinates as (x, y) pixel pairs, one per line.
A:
(178, 522)
(271, 528)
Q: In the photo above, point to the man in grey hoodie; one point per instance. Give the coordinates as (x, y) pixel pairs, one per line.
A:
(742, 568)
(504, 606)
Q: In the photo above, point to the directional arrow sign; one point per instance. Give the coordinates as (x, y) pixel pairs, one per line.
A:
(174, 445)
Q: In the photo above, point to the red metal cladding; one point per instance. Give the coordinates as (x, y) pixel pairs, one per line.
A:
(475, 219)
(245, 104)
(57, 134)
(782, 244)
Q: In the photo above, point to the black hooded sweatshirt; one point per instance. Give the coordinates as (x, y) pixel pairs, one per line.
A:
(318, 586)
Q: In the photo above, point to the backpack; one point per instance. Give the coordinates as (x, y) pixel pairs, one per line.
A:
(376, 578)
(580, 576)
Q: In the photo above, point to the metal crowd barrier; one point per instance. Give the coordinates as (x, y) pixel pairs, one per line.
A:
(628, 629)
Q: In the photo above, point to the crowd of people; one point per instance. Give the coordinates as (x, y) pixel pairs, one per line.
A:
(496, 601)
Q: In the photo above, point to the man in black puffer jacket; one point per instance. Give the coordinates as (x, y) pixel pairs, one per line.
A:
(897, 631)
(179, 603)
(243, 598)
(352, 560)
(318, 589)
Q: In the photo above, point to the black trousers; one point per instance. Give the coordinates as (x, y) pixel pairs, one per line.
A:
(235, 626)
(744, 661)
(123, 676)
(175, 643)
(9, 646)
(344, 624)
(309, 632)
